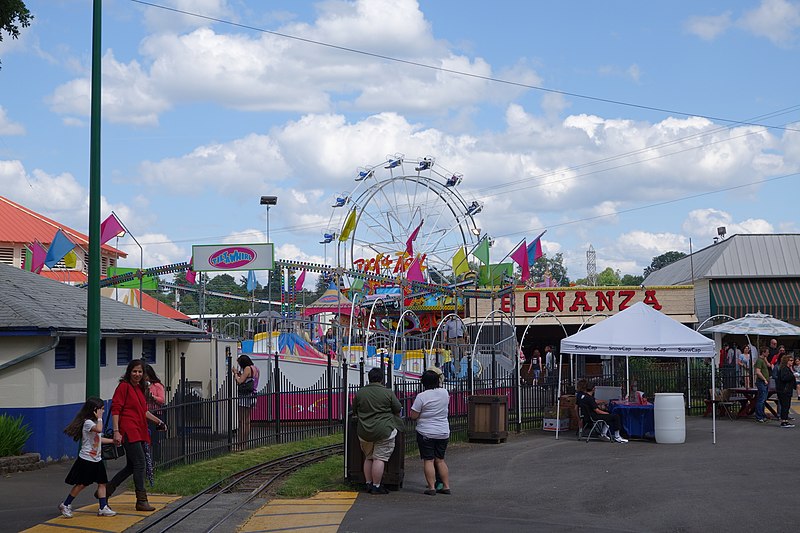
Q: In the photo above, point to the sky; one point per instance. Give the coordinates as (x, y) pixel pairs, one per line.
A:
(632, 128)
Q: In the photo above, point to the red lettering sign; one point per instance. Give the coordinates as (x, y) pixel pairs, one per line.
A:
(505, 303)
(651, 300)
(532, 302)
(580, 301)
(555, 300)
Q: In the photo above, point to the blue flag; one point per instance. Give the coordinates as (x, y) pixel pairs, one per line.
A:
(251, 281)
(60, 247)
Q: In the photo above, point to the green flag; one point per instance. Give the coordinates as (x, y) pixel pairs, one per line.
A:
(357, 285)
(28, 259)
(492, 275)
(481, 252)
(149, 283)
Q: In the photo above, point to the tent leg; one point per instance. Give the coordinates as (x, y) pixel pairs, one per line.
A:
(558, 395)
(713, 407)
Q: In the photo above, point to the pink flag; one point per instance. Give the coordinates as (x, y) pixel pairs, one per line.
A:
(298, 285)
(38, 255)
(414, 272)
(110, 228)
(412, 238)
(191, 275)
(520, 256)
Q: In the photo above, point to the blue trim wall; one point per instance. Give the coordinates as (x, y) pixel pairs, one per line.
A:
(48, 425)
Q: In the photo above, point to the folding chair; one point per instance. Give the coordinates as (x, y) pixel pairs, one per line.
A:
(588, 427)
(722, 402)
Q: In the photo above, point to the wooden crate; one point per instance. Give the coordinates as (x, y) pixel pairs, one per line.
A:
(487, 418)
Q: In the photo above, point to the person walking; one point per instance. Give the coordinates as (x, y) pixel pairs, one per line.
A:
(430, 409)
(376, 408)
(129, 415)
(88, 469)
(156, 398)
(785, 385)
(246, 386)
(762, 374)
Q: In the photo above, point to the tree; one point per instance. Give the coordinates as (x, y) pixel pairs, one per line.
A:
(660, 261)
(630, 280)
(13, 14)
(608, 278)
(555, 265)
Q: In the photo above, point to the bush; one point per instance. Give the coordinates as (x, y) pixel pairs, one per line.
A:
(13, 435)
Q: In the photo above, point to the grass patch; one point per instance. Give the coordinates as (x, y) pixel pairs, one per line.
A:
(185, 480)
(323, 476)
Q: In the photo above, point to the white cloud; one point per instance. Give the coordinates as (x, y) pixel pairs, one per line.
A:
(710, 27)
(776, 20)
(9, 127)
(703, 223)
(163, 20)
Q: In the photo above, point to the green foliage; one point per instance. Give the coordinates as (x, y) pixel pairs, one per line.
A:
(13, 14)
(608, 278)
(322, 476)
(555, 265)
(13, 435)
(660, 261)
(629, 280)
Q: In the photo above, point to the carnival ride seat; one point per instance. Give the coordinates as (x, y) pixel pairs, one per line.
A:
(365, 173)
(341, 200)
(327, 238)
(453, 180)
(425, 164)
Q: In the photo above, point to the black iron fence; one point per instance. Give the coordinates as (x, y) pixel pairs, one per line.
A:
(201, 428)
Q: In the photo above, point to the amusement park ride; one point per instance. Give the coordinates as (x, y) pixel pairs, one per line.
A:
(394, 284)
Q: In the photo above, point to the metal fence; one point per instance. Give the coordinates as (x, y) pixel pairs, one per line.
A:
(201, 428)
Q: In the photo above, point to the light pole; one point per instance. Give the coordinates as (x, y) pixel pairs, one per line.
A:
(269, 201)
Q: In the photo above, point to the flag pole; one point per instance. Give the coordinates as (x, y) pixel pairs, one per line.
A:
(141, 256)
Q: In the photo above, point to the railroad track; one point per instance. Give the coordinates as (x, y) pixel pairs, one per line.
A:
(249, 483)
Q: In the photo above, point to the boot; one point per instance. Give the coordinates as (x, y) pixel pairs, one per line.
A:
(110, 488)
(141, 501)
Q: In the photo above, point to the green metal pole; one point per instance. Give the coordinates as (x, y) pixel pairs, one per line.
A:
(93, 314)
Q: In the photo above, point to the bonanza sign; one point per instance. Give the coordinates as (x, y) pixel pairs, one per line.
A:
(227, 257)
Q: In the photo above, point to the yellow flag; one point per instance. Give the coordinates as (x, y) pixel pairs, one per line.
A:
(349, 226)
(71, 260)
(460, 265)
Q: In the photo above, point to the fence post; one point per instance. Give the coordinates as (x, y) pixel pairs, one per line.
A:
(184, 443)
(329, 375)
(494, 369)
(346, 397)
(277, 399)
(228, 367)
(389, 368)
(470, 382)
(361, 371)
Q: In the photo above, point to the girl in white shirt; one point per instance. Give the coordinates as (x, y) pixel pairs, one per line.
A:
(430, 409)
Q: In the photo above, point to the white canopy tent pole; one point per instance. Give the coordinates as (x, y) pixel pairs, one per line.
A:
(628, 378)
(713, 406)
(558, 395)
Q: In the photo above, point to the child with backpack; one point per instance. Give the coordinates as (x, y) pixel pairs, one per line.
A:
(88, 469)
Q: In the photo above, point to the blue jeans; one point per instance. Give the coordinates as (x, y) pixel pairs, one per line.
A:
(761, 399)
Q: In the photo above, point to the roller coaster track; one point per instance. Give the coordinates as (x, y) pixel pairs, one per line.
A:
(251, 483)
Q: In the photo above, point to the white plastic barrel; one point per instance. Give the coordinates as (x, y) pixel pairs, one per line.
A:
(670, 418)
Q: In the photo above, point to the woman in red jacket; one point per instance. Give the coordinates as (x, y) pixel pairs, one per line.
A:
(130, 415)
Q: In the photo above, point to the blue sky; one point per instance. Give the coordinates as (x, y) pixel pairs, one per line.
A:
(200, 118)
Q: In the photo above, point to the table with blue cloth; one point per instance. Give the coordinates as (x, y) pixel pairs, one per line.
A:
(637, 420)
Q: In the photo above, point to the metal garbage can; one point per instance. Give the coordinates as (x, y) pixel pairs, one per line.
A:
(395, 468)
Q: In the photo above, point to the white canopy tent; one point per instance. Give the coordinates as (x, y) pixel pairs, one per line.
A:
(640, 331)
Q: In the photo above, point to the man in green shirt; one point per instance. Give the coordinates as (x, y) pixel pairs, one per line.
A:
(762, 374)
(377, 410)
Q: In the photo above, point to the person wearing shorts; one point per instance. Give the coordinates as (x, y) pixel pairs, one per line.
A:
(376, 408)
(430, 410)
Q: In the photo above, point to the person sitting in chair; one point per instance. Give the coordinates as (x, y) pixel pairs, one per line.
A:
(597, 413)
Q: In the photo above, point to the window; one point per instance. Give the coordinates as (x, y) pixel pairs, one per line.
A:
(149, 350)
(124, 351)
(102, 352)
(7, 256)
(65, 353)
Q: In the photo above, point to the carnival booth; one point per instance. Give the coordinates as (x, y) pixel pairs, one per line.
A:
(640, 331)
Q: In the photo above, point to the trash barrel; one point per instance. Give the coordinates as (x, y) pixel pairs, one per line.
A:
(670, 418)
(487, 418)
(395, 468)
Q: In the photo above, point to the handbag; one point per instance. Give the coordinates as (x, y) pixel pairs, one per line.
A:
(110, 450)
(246, 388)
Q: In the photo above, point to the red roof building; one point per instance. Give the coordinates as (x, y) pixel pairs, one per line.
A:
(20, 226)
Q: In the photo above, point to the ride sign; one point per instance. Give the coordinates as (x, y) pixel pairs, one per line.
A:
(228, 257)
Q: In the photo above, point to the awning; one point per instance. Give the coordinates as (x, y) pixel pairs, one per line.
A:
(777, 297)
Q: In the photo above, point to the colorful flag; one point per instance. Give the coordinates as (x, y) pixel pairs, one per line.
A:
(110, 228)
(494, 275)
(149, 283)
(71, 259)
(60, 247)
(191, 275)
(460, 264)
(535, 249)
(481, 252)
(412, 238)
(520, 256)
(349, 226)
(357, 284)
(28, 259)
(298, 285)
(38, 254)
(251, 280)
(414, 272)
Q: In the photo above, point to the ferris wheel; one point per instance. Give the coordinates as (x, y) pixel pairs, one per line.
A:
(392, 201)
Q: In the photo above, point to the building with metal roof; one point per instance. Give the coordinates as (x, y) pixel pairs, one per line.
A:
(739, 275)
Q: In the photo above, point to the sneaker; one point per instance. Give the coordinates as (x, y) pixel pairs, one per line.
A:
(761, 420)
(66, 510)
(430, 492)
(443, 491)
(439, 485)
(378, 490)
(368, 487)
(620, 439)
(791, 419)
(106, 511)
(787, 425)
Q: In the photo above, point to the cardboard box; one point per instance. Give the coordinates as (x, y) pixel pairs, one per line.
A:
(567, 400)
(550, 424)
